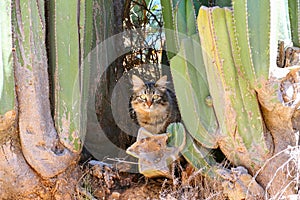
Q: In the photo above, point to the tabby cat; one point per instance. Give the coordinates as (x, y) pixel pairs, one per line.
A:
(152, 105)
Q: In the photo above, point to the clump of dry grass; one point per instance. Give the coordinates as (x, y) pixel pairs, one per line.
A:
(191, 185)
(95, 182)
(102, 182)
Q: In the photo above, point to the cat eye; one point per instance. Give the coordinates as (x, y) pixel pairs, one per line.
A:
(143, 97)
(155, 96)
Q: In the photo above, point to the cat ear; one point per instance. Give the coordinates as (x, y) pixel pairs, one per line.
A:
(137, 83)
(162, 82)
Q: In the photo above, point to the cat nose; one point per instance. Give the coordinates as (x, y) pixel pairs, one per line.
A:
(149, 103)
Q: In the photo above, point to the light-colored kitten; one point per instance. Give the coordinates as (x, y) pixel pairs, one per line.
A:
(152, 105)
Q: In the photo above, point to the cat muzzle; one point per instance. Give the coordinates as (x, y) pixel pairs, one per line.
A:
(149, 103)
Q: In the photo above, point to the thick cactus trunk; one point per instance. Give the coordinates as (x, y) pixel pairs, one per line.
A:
(37, 133)
(13, 166)
(47, 147)
(61, 138)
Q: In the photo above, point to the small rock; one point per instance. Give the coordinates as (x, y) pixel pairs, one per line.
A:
(115, 195)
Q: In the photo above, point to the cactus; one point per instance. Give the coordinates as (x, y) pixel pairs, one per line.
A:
(190, 149)
(253, 37)
(191, 70)
(31, 76)
(86, 39)
(7, 98)
(6, 64)
(294, 9)
(61, 138)
(236, 106)
(237, 48)
(199, 157)
(179, 17)
(190, 80)
(64, 61)
(228, 66)
(180, 20)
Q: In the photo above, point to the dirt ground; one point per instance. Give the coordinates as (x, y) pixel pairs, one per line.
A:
(85, 181)
(102, 182)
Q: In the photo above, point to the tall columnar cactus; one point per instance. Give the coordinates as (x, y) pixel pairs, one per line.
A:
(180, 17)
(190, 77)
(294, 9)
(234, 101)
(217, 78)
(86, 37)
(6, 64)
(56, 142)
(64, 61)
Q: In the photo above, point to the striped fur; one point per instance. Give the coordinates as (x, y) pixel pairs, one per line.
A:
(152, 105)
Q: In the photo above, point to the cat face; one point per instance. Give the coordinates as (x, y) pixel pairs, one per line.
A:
(148, 96)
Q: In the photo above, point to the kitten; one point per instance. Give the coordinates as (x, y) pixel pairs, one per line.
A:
(152, 105)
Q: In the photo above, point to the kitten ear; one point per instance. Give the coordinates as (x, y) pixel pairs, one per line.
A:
(162, 82)
(137, 83)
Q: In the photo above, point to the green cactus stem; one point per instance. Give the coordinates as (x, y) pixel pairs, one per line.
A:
(64, 61)
(6, 65)
(294, 9)
(236, 106)
(191, 84)
(39, 140)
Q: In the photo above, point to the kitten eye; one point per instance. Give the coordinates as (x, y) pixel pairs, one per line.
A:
(155, 96)
(143, 97)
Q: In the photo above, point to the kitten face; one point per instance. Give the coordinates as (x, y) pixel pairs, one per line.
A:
(149, 96)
